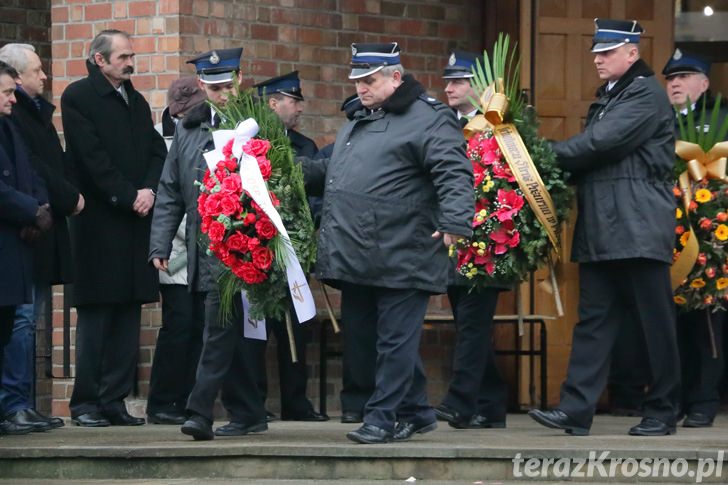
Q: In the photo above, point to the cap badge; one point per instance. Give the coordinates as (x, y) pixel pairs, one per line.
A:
(677, 55)
(353, 50)
(214, 58)
(452, 59)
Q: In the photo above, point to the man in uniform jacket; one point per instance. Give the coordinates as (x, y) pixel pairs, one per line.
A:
(33, 115)
(476, 397)
(284, 97)
(119, 156)
(24, 214)
(221, 364)
(624, 234)
(393, 193)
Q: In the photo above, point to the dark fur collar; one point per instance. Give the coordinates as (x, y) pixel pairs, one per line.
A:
(404, 95)
(196, 116)
(638, 69)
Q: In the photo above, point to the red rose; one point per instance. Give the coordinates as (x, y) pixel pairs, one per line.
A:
(212, 205)
(705, 224)
(262, 258)
(256, 147)
(265, 228)
(249, 219)
(232, 184)
(208, 181)
(253, 242)
(274, 199)
(249, 273)
(721, 216)
(264, 166)
(679, 230)
(230, 205)
(231, 164)
(702, 259)
(227, 150)
(238, 242)
(710, 272)
(216, 231)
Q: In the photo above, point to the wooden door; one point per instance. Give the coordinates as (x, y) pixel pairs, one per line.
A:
(555, 38)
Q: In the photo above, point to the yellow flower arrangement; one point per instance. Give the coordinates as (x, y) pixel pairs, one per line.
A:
(697, 283)
(684, 238)
(679, 300)
(721, 283)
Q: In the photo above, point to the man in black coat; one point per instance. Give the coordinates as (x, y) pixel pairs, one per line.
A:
(624, 234)
(285, 98)
(392, 196)
(24, 214)
(476, 397)
(119, 157)
(33, 115)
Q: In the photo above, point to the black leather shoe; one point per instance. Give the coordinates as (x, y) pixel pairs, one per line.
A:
(123, 418)
(652, 427)
(198, 427)
(166, 418)
(351, 417)
(240, 429)
(452, 416)
(269, 416)
(308, 416)
(25, 418)
(52, 420)
(369, 434)
(91, 420)
(478, 421)
(6, 427)
(698, 420)
(557, 419)
(405, 430)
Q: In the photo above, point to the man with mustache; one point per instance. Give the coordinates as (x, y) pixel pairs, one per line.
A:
(119, 158)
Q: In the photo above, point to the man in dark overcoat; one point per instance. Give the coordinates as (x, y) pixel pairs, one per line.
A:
(221, 364)
(24, 214)
(33, 115)
(477, 394)
(119, 157)
(393, 193)
(624, 234)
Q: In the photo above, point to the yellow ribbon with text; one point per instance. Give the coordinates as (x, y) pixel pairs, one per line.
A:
(494, 107)
(700, 164)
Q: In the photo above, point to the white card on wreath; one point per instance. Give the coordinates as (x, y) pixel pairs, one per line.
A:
(254, 329)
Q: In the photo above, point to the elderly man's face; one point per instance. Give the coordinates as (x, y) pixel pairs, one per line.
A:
(7, 94)
(120, 65)
(376, 88)
(33, 78)
(686, 85)
(612, 64)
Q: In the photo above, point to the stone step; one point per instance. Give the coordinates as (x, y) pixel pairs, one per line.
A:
(319, 452)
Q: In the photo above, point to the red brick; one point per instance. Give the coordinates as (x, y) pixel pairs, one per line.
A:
(120, 9)
(169, 6)
(141, 64)
(124, 25)
(59, 14)
(142, 9)
(78, 49)
(99, 11)
(58, 69)
(371, 24)
(78, 31)
(144, 45)
(264, 32)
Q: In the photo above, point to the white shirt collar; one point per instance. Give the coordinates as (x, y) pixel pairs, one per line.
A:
(469, 115)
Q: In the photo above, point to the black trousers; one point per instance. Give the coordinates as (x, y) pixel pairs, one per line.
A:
(222, 366)
(177, 353)
(293, 376)
(629, 373)
(476, 386)
(607, 290)
(701, 371)
(359, 360)
(7, 319)
(107, 347)
(400, 383)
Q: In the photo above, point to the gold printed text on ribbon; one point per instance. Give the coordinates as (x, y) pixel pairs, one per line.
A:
(529, 181)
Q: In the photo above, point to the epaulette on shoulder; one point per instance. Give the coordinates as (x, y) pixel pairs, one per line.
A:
(433, 102)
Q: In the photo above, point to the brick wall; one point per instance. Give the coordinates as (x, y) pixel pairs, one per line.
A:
(278, 36)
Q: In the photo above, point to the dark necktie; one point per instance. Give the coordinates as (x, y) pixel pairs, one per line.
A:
(216, 120)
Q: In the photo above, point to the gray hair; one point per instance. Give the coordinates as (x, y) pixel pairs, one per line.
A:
(389, 70)
(102, 44)
(15, 55)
